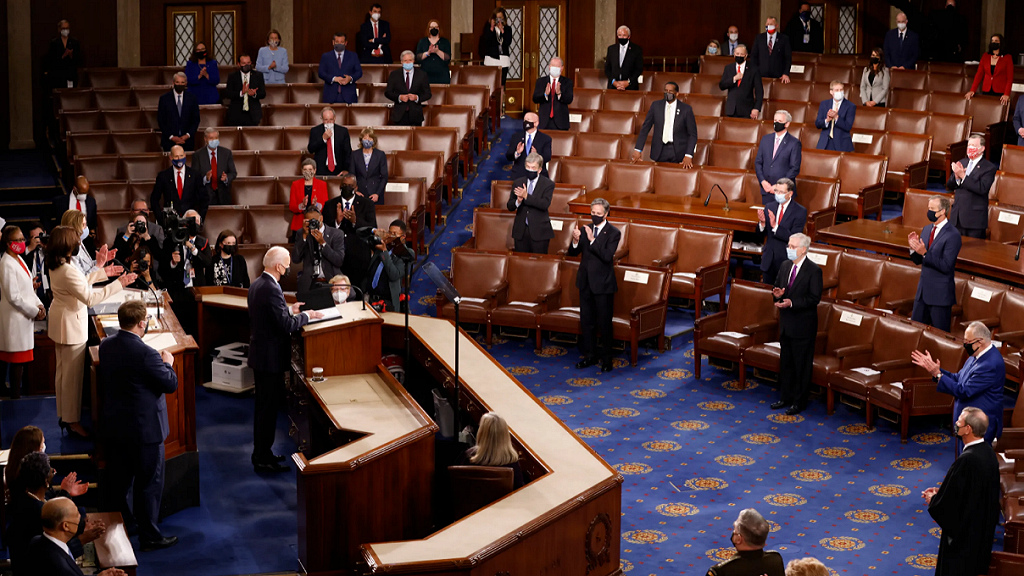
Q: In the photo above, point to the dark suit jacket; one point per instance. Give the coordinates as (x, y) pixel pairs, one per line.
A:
(778, 62)
(332, 255)
(747, 96)
(794, 217)
(801, 319)
(367, 43)
(533, 208)
(407, 113)
(684, 130)
(795, 30)
(597, 269)
(560, 120)
(270, 326)
(372, 179)
(47, 559)
(901, 53)
(541, 144)
(58, 70)
(357, 252)
(165, 193)
(488, 43)
(318, 148)
(936, 286)
(336, 93)
(1018, 121)
(135, 380)
(631, 69)
(173, 124)
(785, 164)
(174, 276)
(389, 285)
(225, 165)
(239, 271)
(235, 115)
(62, 202)
(970, 206)
(844, 124)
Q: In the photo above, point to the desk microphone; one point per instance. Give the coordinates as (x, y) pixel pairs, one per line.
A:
(362, 294)
(1017, 255)
(159, 302)
(708, 199)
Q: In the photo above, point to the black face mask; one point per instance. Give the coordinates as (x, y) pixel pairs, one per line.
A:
(669, 96)
(527, 125)
(200, 54)
(531, 174)
(179, 88)
(435, 32)
(623, 41)
(740, 59)
(247, 68)
(228, 249)
(969, 346)
(596, 219)
(874, 60)
(347, 192)
(993, 46)
(779, 126)
(932, 216)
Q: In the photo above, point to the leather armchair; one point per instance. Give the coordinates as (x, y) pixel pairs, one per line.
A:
(482, 279)
(533, 288)
(751, 312)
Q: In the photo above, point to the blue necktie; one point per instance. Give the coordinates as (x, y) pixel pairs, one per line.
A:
(529, 142)
(376, 275)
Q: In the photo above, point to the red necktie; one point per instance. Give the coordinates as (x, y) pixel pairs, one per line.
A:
(330, 154)
(553, 98)
(779, 219)
(180, 185)
(771, 44)
(408, 81)
(374, 30)
(213, 169)
(739, 71)
(932, 237)
(78, 203)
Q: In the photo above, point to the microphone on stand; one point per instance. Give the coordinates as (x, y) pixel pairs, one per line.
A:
(159, 301)
(708, 199)
(1017, 255)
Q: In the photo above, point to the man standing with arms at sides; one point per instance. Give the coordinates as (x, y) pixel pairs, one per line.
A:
(778, 156)
(936, 290)
(771, 52)
(624, 63)
(271, 324)
(596, 244)
(966, 505)
(797, 293)
(745, 89)
(675, 130)
(530, 199)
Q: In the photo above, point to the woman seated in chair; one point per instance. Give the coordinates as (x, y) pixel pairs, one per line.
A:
(370, 166)
(141, 263)
(494, 448)
(228, 269)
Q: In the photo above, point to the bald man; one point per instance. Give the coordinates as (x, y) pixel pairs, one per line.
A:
(48, 553)
(529, 139)
(178, 187)
(77, 199)
(553, 93)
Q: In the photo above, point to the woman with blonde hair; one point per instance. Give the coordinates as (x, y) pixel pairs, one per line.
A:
(494, 447)
(806, 567)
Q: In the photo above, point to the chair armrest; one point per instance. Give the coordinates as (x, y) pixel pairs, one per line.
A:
(829, 284)
(891, 364)
(988, 322)
(760, 326)
(1014, 453)
(713, 275)
(666, 261)
(544, 297)
(1010, 334)
(863, 294)
(852, 350)
(1011, 439)
(871, 195)
(896, 304)
(634, 312)
(498, 290)
(711, 324)
(916, 175)
(620, 254)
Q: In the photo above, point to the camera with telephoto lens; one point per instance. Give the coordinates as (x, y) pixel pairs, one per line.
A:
(179, 229)
(139, 227)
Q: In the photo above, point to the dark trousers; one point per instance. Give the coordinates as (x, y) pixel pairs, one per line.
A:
(526, 244)
(596, 324)
(972, 232)
(831, 144)
(183, 302)
(938, 316)
(269, 395)
(795, 364)
(411, 116)
(139, 468)
(221, 196)
(667, 154)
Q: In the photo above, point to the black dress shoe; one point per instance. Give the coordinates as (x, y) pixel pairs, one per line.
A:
(606, 366)
(165, 542)
(269, 466)
(586, 363)
(794, 410)
(778, 405)
(279, 458)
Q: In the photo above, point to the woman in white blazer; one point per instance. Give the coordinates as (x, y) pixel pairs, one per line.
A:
(73, 294)
(874, 81)
(19, 308)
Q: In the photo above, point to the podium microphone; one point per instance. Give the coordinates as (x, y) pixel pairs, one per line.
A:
(159, 301)
(362, 293)
(708, 199)
(1017, 255)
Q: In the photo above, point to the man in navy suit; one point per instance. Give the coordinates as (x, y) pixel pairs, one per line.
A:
(177, 115)
(48, 553)
(771, 52)
(178, 187)
(530, 198)
(340, 69)
(1018, 121)
(674, 140)
(527, 140)
(746, 91)
(374, 38)
(596, 244)
(835, 120)
(970, 183)
(784, 218)
(778, 156)
(936, 290)
(797, 291)
(901, 46)
(624, 62)
(135, 378)
(553, 93)
(271, 323)
(979, 383)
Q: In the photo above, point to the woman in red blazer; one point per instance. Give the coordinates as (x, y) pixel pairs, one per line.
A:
(995, 72)
(306, 191)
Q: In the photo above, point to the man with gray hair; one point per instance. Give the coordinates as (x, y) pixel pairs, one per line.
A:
(624, 63)
(216, 165)
(596, 244)
(936, 289)
(553, 92)
(530, 199)
(797, 292)
(970, 181)
(966, 505)
(177, 114)
(979, 383)
(778, 156)
(408, 88)
(749, 534)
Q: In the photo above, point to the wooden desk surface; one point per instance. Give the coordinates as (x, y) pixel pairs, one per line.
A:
(113, 548)
(575, 468)
(677, 209)
(351, 312)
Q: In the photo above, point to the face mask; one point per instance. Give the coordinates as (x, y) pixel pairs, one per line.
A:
(555, 71)
(838, 96)
(247, 68)
(527, 125)
(596, 219)
(873, 60)
(740, 59)
(200, 54)
(669, 96)
(143, 265)
(932, 216)
(805, 16)
(340, 296)
(18, 247)
(770, 29)
(969, 346)
(328, 125)
(348, 192)
(435, 32)
(712, 50)
(531, 174)
(308, 175)
(367, 143)
(80, 197)
(375, 16)
(66, 32)
(339, 48)
(178, 162)
(956, 429)
(791, 253)
(179, 88)
(734, 37)
(213, 144)
(84, 234)
(973, 153)
(407, 66)
(993, 47)
(287, 271)
(780, 198)
(779, 126)
(273, 43)
(901, 25)
(623, 41)
(228, 249)
(499, 20)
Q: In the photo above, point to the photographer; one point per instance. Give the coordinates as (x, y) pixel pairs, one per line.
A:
(186, 258)
(135, 236)
(152, 226)
(35, 259)
(320, 249)
(141, 263)
(387, 266)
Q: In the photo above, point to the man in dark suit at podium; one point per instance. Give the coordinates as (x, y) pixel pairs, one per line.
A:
(528, 140)
(970, 182)
(530, 199)
(553, 92)
(596, 244)
(936, 290)
(675, 130)
(746, 91)
(778, 156)
(135, 378)
(271, 324)
(780, 219)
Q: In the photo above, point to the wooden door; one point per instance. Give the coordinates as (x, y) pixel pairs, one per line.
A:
(538, 34)
(215, 25)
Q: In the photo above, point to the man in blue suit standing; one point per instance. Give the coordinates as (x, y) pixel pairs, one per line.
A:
(177, 114)
(1018, 121)
(784, 218)
(979, 383)
(340, 69)
(901, 46)
(778, 156)
(134, 379)
(835, 120)
(936, 290)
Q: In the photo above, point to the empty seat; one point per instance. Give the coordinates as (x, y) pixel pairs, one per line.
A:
(860, 277)
(732, 155)
(588, 173)
(83, 121)
(304, 94)
(651, 245)
(261, 138)
(820, 163)
(828, 73)
(909, 155)
(135, 142)
(751, 313)
(110, 196)
(255, 191)
(478, 277)
(614, 122)
(948, 103)
(104, 77)
(704, 105)
(89, 144)
(75, 100)
(147, 76)
(1012, 161)
(911, 121)
(533, 289)
(675, 181)
(905, 100)
(862, 178)
(912, 79)
(938, 82)
(600, 146)
(591, 78)
(587, 99)
(707, 128)
(294, 138)
(981, 303)
(285, 115)
(373, 115)
(949, 140)
(226, 218)
(1007, 189)
(112, 98)
(899, 287)
(107, 224)
(99, 168)
(298, 74)
(279, 162)
(798, 91)
(143, 166)
(623, 100)
(563, 143)
(739, 130)
(246, 163)
(622, 177)
(641, 307)
(870, 118)
(685, 81)
(209, 115)
(266, 224)
(277, 94)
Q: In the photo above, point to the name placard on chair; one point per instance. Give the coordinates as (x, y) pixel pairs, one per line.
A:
(850, 318)
(636, 277)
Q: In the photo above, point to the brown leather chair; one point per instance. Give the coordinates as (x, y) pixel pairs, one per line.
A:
(75, 100)
(909, 155)
(701, 268)
(905, 99)
(492, 230)
(917, 395)
(862, 178)
(565, 318)
(739, 130)
(623, 177)
(554, 168)
(1012, 161)
(148, 96)
(707, 127)
(135, 142)
(1007, 189)
(266, 225)
(674, 181)
(939, 82)
(829, 258)
(796, 91)
(623, 101)
(910, 121)
(261, 138)
(908, 79)
(462, 118)
(701, 84)
(308, 94)
(598, 146)
(389, 139)
(615, 122)
(590, 78)
(131, 119)
(277, 94)
(376, 115)
(478, 97)
(990, 116)
(299, 74)
(641, 306)
(103, 77)
(293, 138)
(89, 144)
(651, 245)
(685, 80)
(860, 277)
(254, 191)
(286, 114)
(915, 207)
(739, 185)
(1011, 325)
(820, 163)
(426, 165)
(563, 142)
(483, 275)
(796, 108)
(1005, 223)
(870, 118)
(899, 287)
(374, 74)
(713, 65)
(834, 72)
(110, 196)
(99, 168)
(751, 312)
(897, 338)
(112, 98)
(533, 288)
(732, 155)
(253, 255)
(706, 105)
(701, 153)
(474, 487)
(981, 303)
(143, 166)
(387, 214)
(848, 341)
(948, 103)
(586, 99)
(1006, 563)
(588, 173)
(227, 218)
(107, 223)
(146, 76)
(413, 199)
(279, 162)
(209, 115)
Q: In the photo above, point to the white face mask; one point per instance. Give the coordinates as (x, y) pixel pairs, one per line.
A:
(65, 33)
(838, 96)
(901, 25)
(734, 37)
(274, 43)
(555, 71)
(375, 16)
(81, 197)
(328, 125)
(340, 296)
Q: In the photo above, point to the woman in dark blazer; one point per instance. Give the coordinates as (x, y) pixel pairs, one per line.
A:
(495, 41)
(203, 76)
(228, 268)
(995, 72)
(370, 166)
(306, 191)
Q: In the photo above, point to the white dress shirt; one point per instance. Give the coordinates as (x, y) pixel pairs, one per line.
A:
(622, 52)
(59, 544)
(969, 444)
(782, 210)
(670, 121)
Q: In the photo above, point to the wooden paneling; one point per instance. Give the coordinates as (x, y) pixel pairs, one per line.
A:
(253, 27)
(580, 32)
(684, 27)
(317, 20)
(5, 127)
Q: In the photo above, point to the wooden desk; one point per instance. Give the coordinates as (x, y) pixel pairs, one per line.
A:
(346, 345)
(181, 469)
(566, 521)
(113, 550)
(223, 318)
(673, 209)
